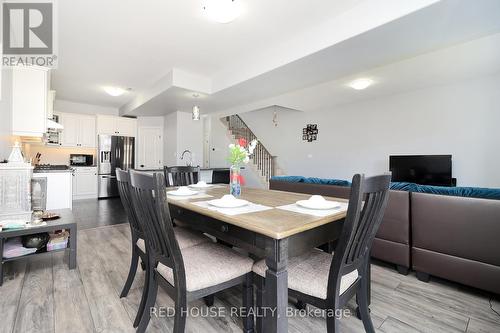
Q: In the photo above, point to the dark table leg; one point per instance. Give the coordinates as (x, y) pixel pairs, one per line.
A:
(1, 261)
(276, 286)
(72, 247)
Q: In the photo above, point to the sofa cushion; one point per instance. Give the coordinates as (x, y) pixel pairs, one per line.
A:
(462, 227)
(395, 225)
(469, 192)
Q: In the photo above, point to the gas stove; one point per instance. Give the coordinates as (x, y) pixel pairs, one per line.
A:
(50, 167)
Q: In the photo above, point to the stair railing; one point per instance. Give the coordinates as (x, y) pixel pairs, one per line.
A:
(262, 158)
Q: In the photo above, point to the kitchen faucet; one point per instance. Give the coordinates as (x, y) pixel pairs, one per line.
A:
(190, 157)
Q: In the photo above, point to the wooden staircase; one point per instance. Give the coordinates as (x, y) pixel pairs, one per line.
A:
(264, 163)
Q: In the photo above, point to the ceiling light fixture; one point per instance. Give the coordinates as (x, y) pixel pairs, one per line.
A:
(361, 84)
(196, 112)
(222, 11)
(115, 91)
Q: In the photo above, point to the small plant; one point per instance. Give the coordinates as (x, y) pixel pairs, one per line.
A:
(240, 153)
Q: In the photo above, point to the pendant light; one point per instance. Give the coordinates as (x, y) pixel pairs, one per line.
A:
(196, 112)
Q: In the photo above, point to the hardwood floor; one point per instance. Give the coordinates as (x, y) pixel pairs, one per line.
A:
(42, 295)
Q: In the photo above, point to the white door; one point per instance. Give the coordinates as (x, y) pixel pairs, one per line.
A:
(70, 131)
(87, 134)
(206, 142)
(150, 148)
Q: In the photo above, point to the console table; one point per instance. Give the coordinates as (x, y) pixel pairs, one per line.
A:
(66, 221)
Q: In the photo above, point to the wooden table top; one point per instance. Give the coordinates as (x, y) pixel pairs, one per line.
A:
(275, 223)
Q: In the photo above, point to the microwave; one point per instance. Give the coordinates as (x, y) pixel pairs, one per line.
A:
(81, 160)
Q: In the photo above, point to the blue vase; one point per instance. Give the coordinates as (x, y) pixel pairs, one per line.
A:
(235, 181)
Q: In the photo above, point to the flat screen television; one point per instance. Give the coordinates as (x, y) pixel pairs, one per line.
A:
(421, 169)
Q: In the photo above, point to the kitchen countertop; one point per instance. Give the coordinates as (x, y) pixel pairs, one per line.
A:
(53, 171)
(201, 169)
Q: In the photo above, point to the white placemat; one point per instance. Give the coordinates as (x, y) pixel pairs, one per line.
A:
(186, 197)
(250, 208)
(315, 212)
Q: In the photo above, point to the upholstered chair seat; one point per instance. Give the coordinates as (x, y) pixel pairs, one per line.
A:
(308, 273)
(207, 265)
(185, 237)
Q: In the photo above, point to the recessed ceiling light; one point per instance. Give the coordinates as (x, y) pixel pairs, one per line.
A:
(361, 84)
(222, 11)
(115, 91)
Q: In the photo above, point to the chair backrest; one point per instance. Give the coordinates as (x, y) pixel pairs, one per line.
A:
(367, 203)
(181, 175)
(124, 190)
(150, 202)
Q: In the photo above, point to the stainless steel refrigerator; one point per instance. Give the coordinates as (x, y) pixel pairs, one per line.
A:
(114, 152)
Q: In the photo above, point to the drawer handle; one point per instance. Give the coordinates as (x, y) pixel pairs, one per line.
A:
(224, 228)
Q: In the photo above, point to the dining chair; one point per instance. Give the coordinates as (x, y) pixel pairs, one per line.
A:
(185, 274)
(329, 281)
(185, 237)
(181, 175)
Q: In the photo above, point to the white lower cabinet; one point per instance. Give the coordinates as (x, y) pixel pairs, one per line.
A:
(85, 183)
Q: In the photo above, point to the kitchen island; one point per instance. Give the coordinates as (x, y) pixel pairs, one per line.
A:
(59, 187)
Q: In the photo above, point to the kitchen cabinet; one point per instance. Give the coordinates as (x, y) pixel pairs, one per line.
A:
(85, 183)
(50, 103)
(87, 134)
(70, 131)
(112, 125)
(30, 93)
(79, 130)
(59, 189)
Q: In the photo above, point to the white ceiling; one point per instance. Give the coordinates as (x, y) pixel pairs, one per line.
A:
(134, 43)
(467, 61)
(166, 50)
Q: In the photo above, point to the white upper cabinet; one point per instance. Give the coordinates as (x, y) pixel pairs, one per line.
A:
(127, 126)
(70, 131)
(29, 100)
(106, 125)
(79, 130)
(50, 103)
(87, 133)
(116, 125)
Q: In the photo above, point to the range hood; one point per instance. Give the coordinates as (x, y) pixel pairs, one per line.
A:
(53, 125)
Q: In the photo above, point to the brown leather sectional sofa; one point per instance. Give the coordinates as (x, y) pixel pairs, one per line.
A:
(392, 242)
(456, 238)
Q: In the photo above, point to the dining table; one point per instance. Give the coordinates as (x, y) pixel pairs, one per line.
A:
(270, 227)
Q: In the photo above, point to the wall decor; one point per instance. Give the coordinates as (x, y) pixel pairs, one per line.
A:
(310, 132)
